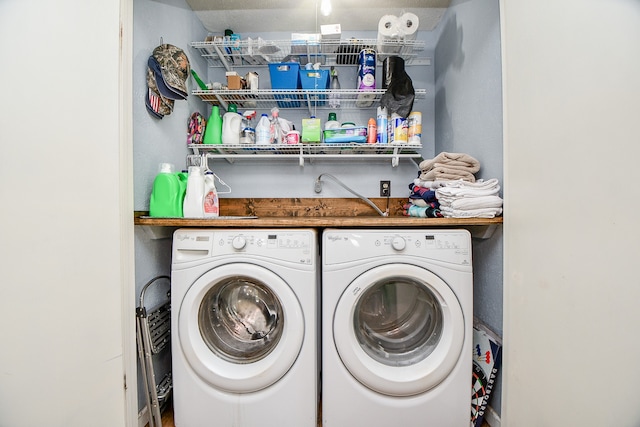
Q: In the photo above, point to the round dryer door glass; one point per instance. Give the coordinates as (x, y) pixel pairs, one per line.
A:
(398, 321)
(241, 319)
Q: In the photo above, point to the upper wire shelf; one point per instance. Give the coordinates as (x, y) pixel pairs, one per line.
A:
(252, 52)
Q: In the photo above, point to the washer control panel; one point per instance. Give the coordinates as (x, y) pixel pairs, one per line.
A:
(288, 245)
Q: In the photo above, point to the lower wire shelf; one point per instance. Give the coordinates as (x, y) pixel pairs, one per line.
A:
(309, 151)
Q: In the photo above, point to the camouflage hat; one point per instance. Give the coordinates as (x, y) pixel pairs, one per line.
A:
(164, 90)
(174, 67)
(157, 104)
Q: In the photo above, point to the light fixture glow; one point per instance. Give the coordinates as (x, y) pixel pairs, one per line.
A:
(325, 7)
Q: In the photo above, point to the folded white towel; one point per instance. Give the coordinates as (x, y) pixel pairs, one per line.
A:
(448, 212)
(478, 184)
(467, 191)
(469, 203)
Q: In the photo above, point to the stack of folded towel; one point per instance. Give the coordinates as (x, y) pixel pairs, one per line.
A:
(449, 167)
(447, 187)
(463, 199)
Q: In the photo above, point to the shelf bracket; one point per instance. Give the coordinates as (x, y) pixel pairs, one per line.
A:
(395, 160)
(222, 58)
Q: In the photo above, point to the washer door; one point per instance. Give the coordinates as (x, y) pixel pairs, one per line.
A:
(399, 329)
(240, 327)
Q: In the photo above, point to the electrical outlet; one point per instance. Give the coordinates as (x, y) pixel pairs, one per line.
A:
(385, 188)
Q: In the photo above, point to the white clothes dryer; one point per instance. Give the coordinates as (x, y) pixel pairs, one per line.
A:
(245, 328)
(397, 310)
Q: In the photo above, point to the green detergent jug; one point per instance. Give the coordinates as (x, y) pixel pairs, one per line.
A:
(167, 194)
(213, 130)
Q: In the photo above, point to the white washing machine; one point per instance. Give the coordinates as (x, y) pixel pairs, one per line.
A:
(397, 309)
(245, 328)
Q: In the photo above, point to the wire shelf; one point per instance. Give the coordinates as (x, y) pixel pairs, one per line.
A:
(295, 98)
(308, 151)
(250, 52)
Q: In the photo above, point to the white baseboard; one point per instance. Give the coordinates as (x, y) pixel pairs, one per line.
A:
(491, 417)
(143, 417)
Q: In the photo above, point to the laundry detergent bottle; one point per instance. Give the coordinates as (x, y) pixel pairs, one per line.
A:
(231, 128)
(193, 199)
(166, 196)
(213, 130)
(211, 203)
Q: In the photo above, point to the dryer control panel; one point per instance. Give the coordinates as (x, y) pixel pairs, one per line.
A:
(341, 246)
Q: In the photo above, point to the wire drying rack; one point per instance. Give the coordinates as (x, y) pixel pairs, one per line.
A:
(153, 331)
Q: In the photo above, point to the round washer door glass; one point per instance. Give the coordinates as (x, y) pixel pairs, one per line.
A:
(241, 319)
(240, 327)
(399, 329)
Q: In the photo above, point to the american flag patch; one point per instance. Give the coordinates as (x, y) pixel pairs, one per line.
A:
(154, 101)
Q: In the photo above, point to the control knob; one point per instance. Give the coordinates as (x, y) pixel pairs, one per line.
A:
(398, 243)
(239, 242)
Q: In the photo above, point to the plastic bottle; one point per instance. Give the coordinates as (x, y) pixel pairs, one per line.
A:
(263, 131)
(183, 176)
(231, 128)
(213, 130)
(278, 134)
(372, 131)
(210, 202)
(332, 122)
(382, 122)
(193, 199)
(334, 98)
(166, 196)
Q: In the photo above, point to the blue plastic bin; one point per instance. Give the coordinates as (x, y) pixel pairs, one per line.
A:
(285, 75)
(316, 80)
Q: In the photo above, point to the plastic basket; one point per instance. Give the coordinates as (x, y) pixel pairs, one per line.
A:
(285, 75)
(315, 80)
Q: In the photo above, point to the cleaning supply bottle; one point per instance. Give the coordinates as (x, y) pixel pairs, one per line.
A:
(165, 200)
(382, 124)
(213, 130)
(231, 127)
(193, 199)
(372, 131)
(332, 122)
(210, 202)
(278, 133)
(263, 131)
(334, 97)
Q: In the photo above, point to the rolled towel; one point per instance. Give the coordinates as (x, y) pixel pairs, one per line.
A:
(451, 159)
(430, 184)
(426, 212)
(418, 192)
(421, 203)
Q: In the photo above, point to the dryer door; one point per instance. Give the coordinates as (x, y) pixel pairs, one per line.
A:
(399, 329)
(240, 327)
